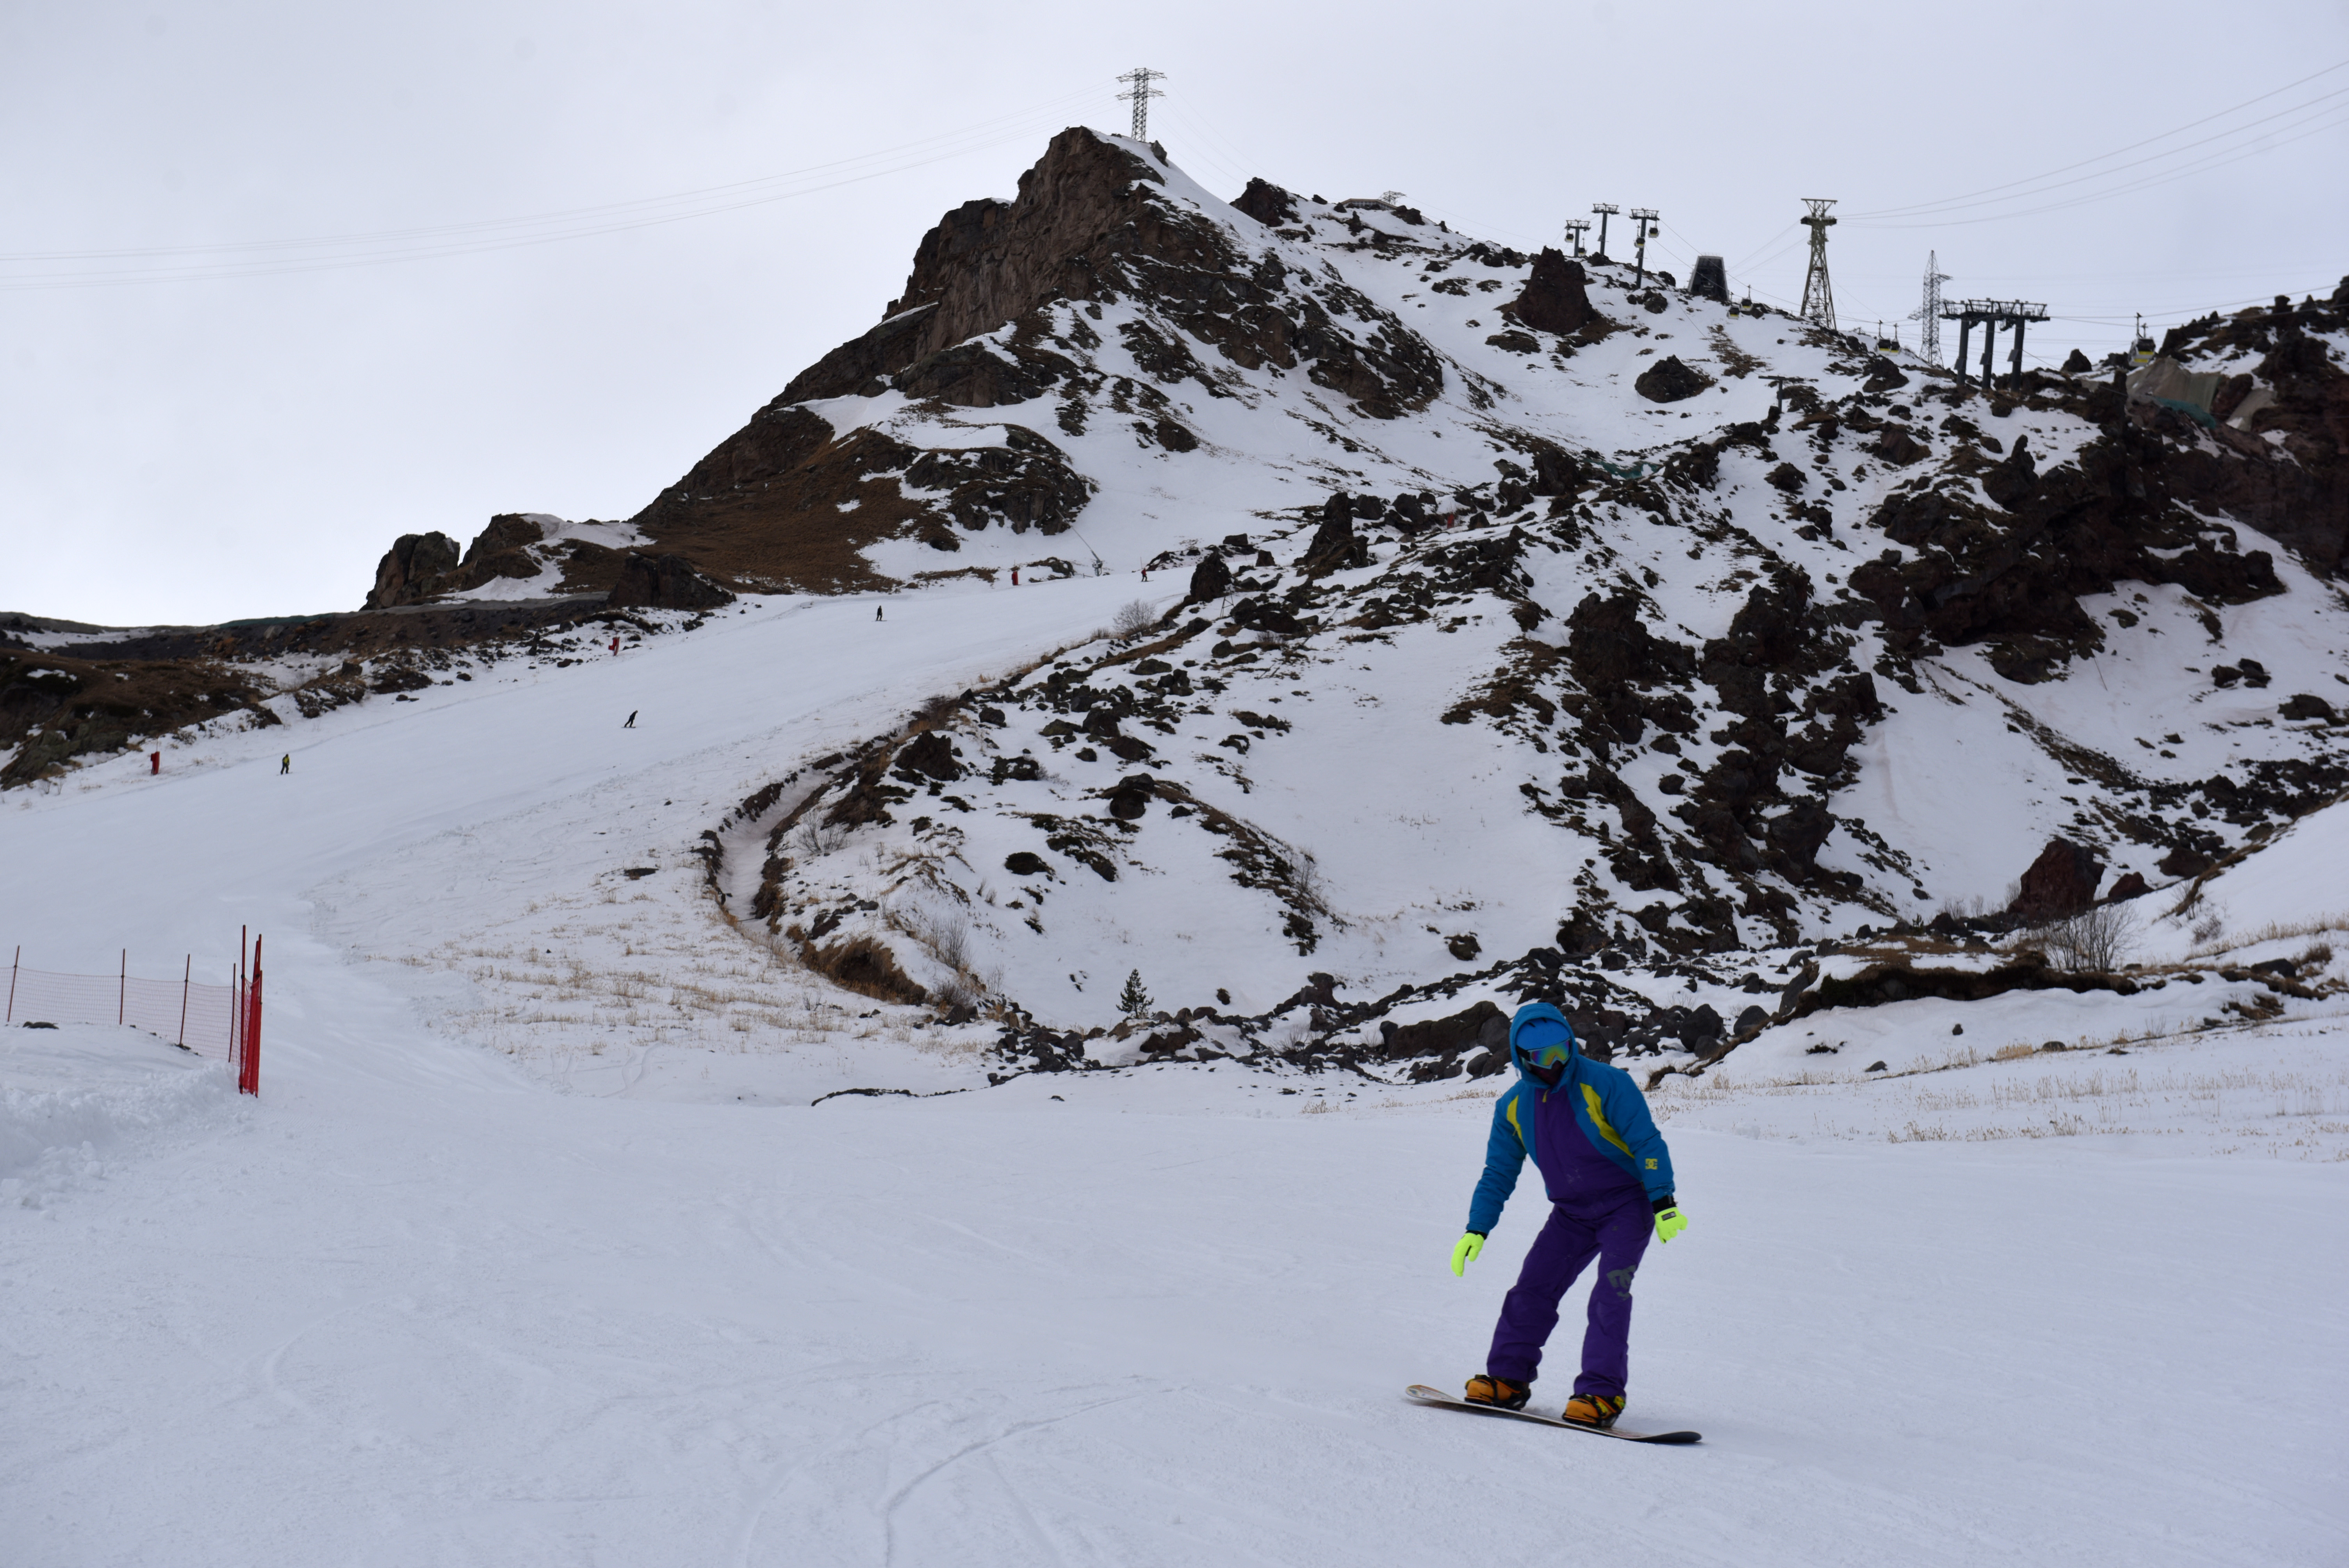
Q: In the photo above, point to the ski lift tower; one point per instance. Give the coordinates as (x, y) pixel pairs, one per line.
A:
(1603, 210)
(1575, 229)
(1991, 315)
(1818, 298)
(1645, 218)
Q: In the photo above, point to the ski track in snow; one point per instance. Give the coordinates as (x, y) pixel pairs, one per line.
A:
(413, 1308)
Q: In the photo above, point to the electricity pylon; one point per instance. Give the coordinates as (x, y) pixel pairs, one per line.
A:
(1928, 315)
(1818, 298)
(1140, 93)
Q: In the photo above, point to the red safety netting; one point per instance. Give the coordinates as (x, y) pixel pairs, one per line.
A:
(219, 1021)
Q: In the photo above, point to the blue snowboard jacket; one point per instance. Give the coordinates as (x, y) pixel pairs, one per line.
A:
(1608, 1106)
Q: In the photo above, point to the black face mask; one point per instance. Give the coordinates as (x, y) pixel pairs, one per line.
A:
(1548, 1076)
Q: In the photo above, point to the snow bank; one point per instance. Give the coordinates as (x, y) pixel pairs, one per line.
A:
(75, 1098)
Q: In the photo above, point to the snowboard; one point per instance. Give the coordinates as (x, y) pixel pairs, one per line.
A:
(1420, 1393)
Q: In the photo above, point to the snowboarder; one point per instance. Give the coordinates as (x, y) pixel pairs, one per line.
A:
(1609, 1179)
(632, 720)
(285, 764)
(876, 612)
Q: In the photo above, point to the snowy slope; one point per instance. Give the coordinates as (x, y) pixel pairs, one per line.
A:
(411, 1306)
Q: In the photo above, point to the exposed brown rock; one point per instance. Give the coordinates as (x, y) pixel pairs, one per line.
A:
(412, 570)
(667, 582)
(1669, 381)
(1556, 297)
(1266, 203)
(2061, 881)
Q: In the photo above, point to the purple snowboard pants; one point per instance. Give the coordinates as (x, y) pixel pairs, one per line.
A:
(1617, 1236)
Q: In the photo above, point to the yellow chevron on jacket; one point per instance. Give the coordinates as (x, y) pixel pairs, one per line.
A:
(1599, 1120)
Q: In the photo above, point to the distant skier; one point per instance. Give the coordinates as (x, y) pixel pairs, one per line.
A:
(632, 720)
(1014, 577)
(876, 612)
(285, 764)
(615, 644)
(1609, 1181)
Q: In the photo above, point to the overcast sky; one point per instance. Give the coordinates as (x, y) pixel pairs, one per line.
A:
(248, 439)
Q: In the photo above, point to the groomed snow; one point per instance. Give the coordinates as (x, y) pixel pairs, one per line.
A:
(433, 1299)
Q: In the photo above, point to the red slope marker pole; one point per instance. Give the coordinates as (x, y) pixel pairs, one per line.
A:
(250, 1082)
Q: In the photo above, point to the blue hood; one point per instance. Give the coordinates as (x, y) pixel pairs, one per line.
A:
(1534, 1012)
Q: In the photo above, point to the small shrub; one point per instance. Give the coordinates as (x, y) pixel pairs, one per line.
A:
(2096, 941)
(1134, 619)
(816, 838)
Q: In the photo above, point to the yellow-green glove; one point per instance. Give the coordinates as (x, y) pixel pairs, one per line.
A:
(1465, 1252)
(1669, 1224)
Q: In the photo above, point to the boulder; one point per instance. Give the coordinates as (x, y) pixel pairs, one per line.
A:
(2077, 364)
(1898, 446)
(1130, 798)
(1266, 203)
(664, 583)
(929, 755)
(2307, 704)
(2132, 885)
(1211, 579)
(1669, 381)
(2061, 881)
(1556, 297)
(1334, 544)
(410, 570)
(1799, 833)
(1481, 1025)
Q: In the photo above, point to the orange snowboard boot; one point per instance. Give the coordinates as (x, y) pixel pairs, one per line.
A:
(1486, 1389)
(1594, 1409)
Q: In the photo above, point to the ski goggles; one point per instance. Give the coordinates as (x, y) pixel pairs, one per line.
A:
(1547, 1059)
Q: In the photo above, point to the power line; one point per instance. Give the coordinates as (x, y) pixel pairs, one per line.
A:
(2132, 146)
(369, 248)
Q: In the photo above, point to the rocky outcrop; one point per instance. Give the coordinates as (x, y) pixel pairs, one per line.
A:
(412, 571)
(2061, 881)
(2279, 458)
(1025, 483)
(1556, 297)
(1266, 203)
(1710, 280)
(664, 583)
(1211, 579)
(1335, 543)
(1669, 381)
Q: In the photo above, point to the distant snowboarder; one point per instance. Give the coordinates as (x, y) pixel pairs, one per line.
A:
(876, 612)
(632, 720)
(615, 644)
(1609, 1181)
(285, 764)
(1014, 577)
